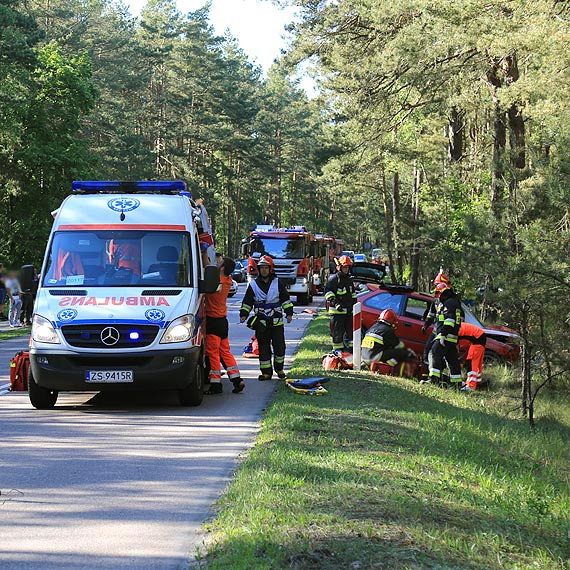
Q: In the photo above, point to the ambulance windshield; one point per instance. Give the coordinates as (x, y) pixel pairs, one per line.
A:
(279, 248)
(119, 259)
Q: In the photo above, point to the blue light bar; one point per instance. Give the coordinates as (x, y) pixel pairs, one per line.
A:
(126, 186)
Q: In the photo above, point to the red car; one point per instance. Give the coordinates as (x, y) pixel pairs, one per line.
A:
(410, 306)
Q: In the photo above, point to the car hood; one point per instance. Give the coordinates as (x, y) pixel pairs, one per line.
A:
(500, 331)
(365, 272)
(114, 305)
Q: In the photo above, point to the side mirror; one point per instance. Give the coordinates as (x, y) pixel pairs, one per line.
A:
(211, 280)
(244, 248)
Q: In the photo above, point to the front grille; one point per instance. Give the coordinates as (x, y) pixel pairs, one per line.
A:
(89, 336)
(113, 362)
(286, 271)
(161, 292)
(68, 292)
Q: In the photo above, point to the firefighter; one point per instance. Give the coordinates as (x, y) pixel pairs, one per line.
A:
(381, 344)
(341, 295)
(430, 314)
(446, 329)
(217, 342)
(267, 296)
(477, 338)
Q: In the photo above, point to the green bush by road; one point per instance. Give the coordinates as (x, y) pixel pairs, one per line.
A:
(383, 473)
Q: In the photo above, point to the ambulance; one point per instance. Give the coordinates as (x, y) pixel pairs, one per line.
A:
(121, 299)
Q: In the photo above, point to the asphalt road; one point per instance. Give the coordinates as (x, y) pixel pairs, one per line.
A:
(122, 481)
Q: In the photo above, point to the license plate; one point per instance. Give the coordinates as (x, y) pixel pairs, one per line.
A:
(109, 376)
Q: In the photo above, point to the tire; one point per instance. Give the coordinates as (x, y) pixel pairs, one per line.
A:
(491, 358)
(303, 299)
(41, 398)
(193, 394)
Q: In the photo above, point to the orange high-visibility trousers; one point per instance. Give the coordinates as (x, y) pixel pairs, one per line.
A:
(475, 355)
(218, 351)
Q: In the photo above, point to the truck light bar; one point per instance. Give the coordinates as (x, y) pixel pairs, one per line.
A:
(129, 186)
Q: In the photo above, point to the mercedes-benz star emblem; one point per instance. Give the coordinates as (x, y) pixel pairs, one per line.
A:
(110, 336)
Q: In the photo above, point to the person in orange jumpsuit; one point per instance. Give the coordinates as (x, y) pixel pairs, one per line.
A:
(217, 342)
(476, 337)
(126, 254)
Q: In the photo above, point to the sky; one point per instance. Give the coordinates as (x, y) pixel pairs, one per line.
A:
(258, 25)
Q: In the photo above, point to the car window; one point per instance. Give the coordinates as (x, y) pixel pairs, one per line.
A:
(470, 317)
(416, 308)
(385, 301)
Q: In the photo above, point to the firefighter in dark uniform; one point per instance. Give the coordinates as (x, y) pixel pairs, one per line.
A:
(381, 344)
(341, 295)
(446, 329)
(431, 313)
(268, 298)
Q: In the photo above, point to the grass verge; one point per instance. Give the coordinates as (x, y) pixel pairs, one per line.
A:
(384, 473)
(14, 333)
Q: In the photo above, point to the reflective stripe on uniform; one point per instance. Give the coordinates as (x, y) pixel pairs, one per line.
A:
(392, 362)
(377, 338)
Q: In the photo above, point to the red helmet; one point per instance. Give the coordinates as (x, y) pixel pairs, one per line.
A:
(389, 317)
(268, 261)
(344, 261)
(441, 278)
(441, 287)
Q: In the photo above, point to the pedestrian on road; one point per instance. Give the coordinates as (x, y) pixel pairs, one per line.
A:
(14, 292)
(3, 293)
(268, 298)
(217, 328)
(28, 294)
(477, 338)
(341, 295)
(446, 329)
(381, 344)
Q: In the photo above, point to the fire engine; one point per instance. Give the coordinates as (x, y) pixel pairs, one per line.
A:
(291, 251)
(323, 252)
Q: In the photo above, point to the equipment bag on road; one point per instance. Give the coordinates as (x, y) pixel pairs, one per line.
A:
(19, 369)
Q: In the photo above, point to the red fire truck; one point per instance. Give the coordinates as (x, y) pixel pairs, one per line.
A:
(323, 252)
(291, 251)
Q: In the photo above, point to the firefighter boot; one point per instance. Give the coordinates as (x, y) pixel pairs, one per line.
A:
(238, 385)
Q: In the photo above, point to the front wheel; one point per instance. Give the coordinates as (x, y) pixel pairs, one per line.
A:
(41, 398)
(193, 394)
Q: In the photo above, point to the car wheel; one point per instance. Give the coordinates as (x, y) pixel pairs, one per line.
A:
(193, 394)
(303, 299)
(41, 398)
(491, 358)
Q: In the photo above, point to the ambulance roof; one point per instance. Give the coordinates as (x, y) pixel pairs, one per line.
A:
(141, 212)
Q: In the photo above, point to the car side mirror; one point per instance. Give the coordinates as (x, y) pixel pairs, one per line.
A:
(211, 280)
(244, 247)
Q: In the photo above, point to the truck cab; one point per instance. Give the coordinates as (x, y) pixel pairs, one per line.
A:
(290, 249)
(120, 304)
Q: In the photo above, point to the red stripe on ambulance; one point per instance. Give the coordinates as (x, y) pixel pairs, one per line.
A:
(115, 301)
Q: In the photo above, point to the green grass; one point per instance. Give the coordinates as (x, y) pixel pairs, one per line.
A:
(384, 473)
(14, 333)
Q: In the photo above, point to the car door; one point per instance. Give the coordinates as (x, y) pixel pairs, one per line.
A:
(411, 323)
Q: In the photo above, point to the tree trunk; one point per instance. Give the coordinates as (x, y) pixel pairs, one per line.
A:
(455, 135)
(415, 251)
(396, 223)
(499, 141)
(388, 218)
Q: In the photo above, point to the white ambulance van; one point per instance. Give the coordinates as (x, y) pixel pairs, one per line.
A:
(121, 298)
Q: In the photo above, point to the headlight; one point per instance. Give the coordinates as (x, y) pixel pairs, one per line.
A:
(43, 331)
(180, 330)
(302, 280)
